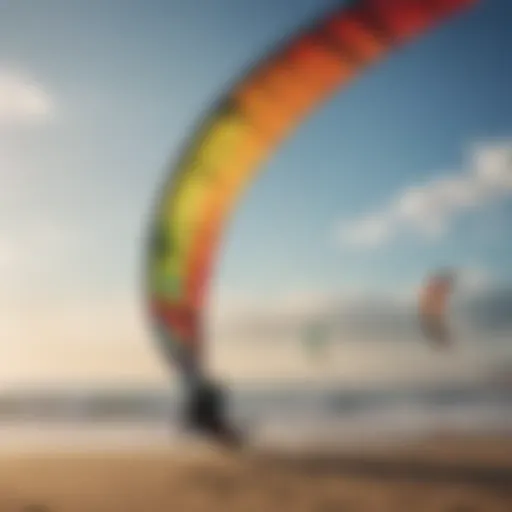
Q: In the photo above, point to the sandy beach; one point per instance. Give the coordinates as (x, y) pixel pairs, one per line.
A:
(438, 475)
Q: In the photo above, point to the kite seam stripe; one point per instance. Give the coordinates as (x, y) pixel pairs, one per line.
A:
(376, 24)
(341, 50)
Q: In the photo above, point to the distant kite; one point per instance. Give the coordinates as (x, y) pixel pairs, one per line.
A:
(433, 305)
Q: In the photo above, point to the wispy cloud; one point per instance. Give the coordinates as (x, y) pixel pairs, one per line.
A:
(22, 100)
(475, 280)
(358, 315)
(290, 313)
(371, 337)
(429, 209)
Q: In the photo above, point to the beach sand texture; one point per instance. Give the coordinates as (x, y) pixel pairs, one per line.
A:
(441, 475)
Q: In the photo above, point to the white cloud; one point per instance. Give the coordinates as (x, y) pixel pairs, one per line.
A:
(22, 99)
(429, 209)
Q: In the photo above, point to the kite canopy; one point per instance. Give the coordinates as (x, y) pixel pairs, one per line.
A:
(240, 134)
(433, 305)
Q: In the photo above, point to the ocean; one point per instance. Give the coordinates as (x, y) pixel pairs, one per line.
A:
(273, 416)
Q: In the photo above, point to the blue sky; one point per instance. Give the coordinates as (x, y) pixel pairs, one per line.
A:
(107, 91)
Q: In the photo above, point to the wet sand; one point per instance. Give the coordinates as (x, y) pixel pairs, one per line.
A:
(438, 475)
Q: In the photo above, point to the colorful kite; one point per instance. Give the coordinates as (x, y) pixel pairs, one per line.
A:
(243, 130)
(433, 305)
